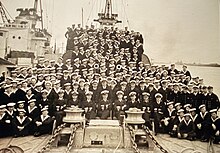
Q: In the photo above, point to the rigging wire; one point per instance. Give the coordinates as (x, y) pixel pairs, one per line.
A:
(126, 14)
(7, 12)
(90, 12)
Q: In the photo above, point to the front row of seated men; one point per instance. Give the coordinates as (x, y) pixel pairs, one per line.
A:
(17, 123)
(187, 123)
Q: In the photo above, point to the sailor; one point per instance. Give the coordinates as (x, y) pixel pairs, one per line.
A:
(59, 105)
(21, 124)
(67, 91)
(213, 127)
(195, 97)
(169, 116)
(212, 99)
(104, 106)
(178, 119)
(132, 101)
(74, 100)
(158, 113)
(203, 116)
(43, 123)
(3, 125)
(186, 128)
(7, 95)
(119, 105)
(89, 106)
(8, 118)
(147, 107)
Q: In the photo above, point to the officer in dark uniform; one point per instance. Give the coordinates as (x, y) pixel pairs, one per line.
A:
(158, 113)
(104, 106)
(119, 105)
(212, 99)
(89, 106)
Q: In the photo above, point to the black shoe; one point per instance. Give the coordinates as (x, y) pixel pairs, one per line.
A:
(15, 136)
(37, 134)
(204, 140)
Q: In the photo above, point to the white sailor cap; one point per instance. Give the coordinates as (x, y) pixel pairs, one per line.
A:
(180, 110)
(170, 103)
(158, 95)
(120, 92)
(44, 109)
(132, 93)
(67, 84)
(201, 106)
(177, 104)
(104, 92)
(10, 104)
(74, 92)
(145, 94)
(187, 114)
(187, 105)
(2, 106)
(21, 110)
(20, 102)
(192, 109)
(32, 100)
(213, 111)
(89, 93)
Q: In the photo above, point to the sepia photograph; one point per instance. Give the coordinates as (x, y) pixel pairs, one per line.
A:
(109, 76)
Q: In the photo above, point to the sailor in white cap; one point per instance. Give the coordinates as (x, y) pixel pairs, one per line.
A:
(43, 123)
(74, 100)
(104, 106)
(10, 114)
(203, 117)
(21, 124)
(186, 128)
(158, 113)
(89, 106)
(119, 104)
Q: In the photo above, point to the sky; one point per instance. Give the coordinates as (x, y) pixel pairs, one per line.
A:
(174, 30)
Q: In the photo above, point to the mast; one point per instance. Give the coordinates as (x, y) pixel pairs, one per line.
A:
(41, 12)
(107, 17)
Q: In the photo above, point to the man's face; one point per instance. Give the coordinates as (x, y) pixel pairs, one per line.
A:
(214, 115)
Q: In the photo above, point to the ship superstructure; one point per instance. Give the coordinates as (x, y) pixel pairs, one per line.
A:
(22, 38)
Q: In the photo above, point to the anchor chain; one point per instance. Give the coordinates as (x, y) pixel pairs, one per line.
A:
(146, 129)
(132, 138)
(72, 136)
(53, 137)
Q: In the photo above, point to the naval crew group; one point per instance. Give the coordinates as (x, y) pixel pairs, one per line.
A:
(105, 76)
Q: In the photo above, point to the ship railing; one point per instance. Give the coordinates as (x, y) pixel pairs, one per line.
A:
(13, 25)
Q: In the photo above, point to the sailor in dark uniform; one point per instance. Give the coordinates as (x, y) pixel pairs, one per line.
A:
(104, 106)
(4, 131)
(186, 128)
(212, 99)
(10, 114)
(203, 117)
(67, 91)
(32, 112)
(147, 107)
(21, 124)
(43, 123)
(119, 105)
(74, 100)
(132, 101)
(158, 113)
(89, 106)
(178, 119)
(169, 116)
(7, 95)
(60, 104)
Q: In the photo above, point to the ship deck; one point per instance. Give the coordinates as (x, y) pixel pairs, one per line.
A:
(32, 144)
